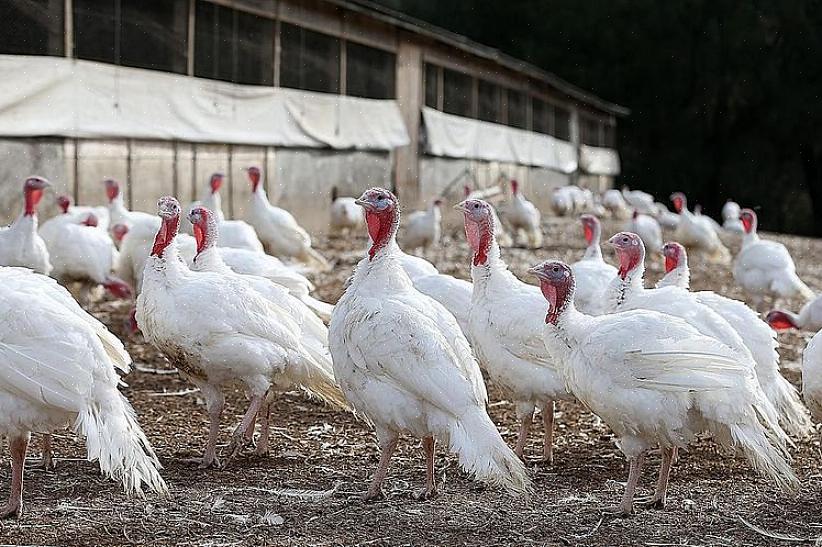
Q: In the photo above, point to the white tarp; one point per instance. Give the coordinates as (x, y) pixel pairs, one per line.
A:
(457, 137)
(52, 96)
(598, 161)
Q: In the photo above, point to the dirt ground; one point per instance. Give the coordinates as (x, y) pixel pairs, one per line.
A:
(307, 491)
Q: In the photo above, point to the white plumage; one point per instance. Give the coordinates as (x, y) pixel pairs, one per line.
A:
(423, 228)
(523, 216)
(211, 258)
(216, 328)
(500, 234)
(119, 214)
(808, 318)
(20, 243)
(647, 228)
(812, 375)
(403, 362)
(57, 368)
(658, 388)
(235, 234)
(757, 336)
(80, 212)
(639, 201)
(592, 274)
(277, 228)
(698, 233)
(345, 214)
(730, 217)
(506, 330)
(614, 203)
(764, 268)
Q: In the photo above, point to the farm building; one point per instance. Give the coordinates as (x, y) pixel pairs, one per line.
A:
(319, 93)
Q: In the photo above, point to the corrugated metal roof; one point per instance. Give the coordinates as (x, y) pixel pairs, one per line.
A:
(417, 26)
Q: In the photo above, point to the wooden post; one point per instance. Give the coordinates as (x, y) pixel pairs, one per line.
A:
(410, 97)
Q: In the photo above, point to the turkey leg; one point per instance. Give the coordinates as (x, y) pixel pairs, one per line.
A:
(17, 449)
(430, 489)
(387, 446)
(548, 440)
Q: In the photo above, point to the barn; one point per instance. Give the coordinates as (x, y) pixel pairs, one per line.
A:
(319, 93)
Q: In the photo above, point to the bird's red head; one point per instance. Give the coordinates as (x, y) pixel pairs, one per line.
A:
(674, 253)
(33, 190)
(216, 182)
(556, 281)
(169, 210)
(749, 220)
(205, 227)
(630, 250)
(479, 227)
(112, 189)
(63, 202)
(131, 325)
(382, 215)
(679, 201)
(90, 220)
(118, 288)
(466, 190)
(514, 186)
(781, 320)
(119, 231)
(590, 228)
(254, 175)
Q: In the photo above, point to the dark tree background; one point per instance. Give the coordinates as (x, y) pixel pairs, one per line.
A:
(725, 95)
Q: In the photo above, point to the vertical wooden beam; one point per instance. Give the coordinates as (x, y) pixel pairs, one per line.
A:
(575, 140)
(343, 66)
(190, 40)
(277, 53)
(129, 173)
(175, 183)
(410, 98)
(193, 171)
(230, 176)
(68, 31)
(76, 171)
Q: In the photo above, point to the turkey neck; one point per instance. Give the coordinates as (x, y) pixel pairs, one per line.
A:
(117, 210)
(26, 227)
(620, 290)
(680, 277)
(214, 202)
(594, 251)
(382, 230)
(208, 257)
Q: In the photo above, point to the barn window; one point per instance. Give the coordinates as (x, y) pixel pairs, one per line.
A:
(232, 45)
(489, 98)
(542, 116)
(517, 113)
(309, 60)
(432, 74)
(370, 72)
(31, 27)
(590, 131)
(562, 123)
(96, 30)
(457, 93)
(610, 135)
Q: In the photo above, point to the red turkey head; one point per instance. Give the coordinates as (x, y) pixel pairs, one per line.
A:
(674, 253)
(63, 202)
(119, 231)
(168, 209)
(382, 215)
(33, 190)
(556, 281)
(216, 182)
(479, 227)
(749, 220)
(90, 220)
(679, 201)
(514, 186)
(630, 250)
(112, 189)
(781, 320)
(590, 228)
(466, 191)
(117, 287)
(205, 227)
(254, 175)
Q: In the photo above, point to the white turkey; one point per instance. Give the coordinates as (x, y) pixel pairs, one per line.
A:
(58, 367)
(345, 213)
(216, 329)
(764, 268)
(759, 338)
(80, 213)
(119, 214)
(506, 330)
(135, 248)
(809, 317)
(524, 217)
(592, 273)
(614, 203)
(82, 253)
(211, 258)
(404, 364)
(424, 228)
(665, 217)
(697, 233)
(20, 243)
(236, 234)
(660, 388)
(730, 217)
(628, 292)
(277, 228)
(812, 375)
(500, 234)
(638, 200)
(647, 228)
(562, 202)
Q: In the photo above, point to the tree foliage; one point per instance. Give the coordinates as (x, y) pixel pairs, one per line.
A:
(724, 94)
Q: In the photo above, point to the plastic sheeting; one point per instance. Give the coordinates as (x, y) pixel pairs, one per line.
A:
(53, 96)
(457, 137)
(598, 161)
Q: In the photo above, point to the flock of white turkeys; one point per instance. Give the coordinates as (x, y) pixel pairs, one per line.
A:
(406, 346)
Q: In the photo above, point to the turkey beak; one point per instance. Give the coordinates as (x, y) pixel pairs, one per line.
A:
(364, 203)
(460, 206)
(537, 271)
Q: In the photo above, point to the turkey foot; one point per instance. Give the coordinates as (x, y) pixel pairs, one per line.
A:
(47, 462)
(238, 438)
(430, 489)
(11, 510)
